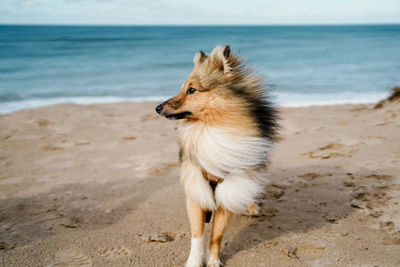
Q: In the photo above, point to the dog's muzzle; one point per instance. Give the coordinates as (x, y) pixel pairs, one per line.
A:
(174, 116)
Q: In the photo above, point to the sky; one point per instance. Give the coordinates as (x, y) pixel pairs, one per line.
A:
(206, 12)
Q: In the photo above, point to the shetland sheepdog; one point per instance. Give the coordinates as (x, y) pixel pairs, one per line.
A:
(225, 132)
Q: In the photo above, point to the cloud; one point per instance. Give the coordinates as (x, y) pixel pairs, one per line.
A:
(198, 12)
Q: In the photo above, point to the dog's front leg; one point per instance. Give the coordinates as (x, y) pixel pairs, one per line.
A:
(197, 220)
(220, 222)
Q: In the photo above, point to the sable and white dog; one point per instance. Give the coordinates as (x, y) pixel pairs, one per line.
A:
(225, 132)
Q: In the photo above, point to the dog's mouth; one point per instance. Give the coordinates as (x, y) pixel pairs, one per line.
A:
(178, 116)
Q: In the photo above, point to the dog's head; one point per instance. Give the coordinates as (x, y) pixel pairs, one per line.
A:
(207, 92)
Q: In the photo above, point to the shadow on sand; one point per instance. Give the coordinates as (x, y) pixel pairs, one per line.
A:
(302, 199)
(89, 206)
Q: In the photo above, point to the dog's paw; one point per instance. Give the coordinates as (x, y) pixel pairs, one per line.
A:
(194, 261)
(214, 263)
(196, 256)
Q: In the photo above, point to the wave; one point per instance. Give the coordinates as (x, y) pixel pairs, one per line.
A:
(8, 107)
(293, 100)
(281, 99)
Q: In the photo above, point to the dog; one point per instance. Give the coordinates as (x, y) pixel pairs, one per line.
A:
(226, 130)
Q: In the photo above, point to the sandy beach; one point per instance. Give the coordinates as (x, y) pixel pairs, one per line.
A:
(98, 185)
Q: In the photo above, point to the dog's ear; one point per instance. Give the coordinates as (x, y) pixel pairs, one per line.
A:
(221, 57)
(199, 58)
(227, 52)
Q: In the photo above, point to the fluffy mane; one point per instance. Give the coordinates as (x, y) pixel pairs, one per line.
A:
(227, 73)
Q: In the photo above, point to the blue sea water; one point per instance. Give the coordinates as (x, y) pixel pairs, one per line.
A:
(302, 65)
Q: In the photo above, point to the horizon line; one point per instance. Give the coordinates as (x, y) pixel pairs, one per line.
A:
(203, 25)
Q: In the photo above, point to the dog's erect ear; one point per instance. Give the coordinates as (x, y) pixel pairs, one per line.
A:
(227, 52)
(199, 58)
(220, 57)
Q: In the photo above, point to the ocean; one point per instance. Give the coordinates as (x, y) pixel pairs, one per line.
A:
(302, 65)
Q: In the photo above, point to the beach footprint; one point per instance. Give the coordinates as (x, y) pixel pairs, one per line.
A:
(70, 258)
(115, 252)
(345, 147)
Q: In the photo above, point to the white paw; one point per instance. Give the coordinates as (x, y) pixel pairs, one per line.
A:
(196, 253)
(194, 261)
(213, 263)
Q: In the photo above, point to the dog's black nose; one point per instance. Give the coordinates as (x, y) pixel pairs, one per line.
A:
(159, 108)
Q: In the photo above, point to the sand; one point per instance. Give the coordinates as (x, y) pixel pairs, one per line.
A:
(98, 185)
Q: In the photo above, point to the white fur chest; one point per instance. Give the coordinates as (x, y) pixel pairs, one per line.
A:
(221, 151)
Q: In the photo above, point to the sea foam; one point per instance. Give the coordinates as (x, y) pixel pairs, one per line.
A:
(280, 99)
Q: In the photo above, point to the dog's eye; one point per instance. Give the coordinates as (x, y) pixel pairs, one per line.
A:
(190, 91)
